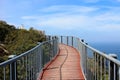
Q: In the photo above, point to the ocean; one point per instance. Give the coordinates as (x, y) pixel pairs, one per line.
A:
(108, 48)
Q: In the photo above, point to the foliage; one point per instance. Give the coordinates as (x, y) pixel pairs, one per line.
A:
(4, 30)
(17, 41)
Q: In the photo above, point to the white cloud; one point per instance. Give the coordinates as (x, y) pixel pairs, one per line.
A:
(70, 8)
(62, 16)
(92, 23)
(65, 22)
(77, 17)
(29, 17)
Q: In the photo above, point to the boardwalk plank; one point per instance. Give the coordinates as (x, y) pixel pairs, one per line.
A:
(65, 67)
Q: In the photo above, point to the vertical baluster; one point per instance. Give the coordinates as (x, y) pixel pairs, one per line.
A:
(26, 67)
(15, 68)
(61, 39)
(72, 40)
(115, 71)
(37, 56)
(104, 68)
(32, 58)
(35, 61)
(119, 72)
(109, 70)
(29, 66)
(94, 66)
(34, 64)
(97, 67)
(67, 40)
(23, 69)
(101, 77)
(41, 60)
(38, 60)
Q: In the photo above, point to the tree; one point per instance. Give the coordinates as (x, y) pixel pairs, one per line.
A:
(4, 30)
(17, 41)
(22, 40)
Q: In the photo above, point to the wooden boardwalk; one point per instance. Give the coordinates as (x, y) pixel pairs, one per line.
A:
(66, 66)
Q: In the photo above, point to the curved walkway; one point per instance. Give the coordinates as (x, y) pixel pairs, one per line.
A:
(66, 66)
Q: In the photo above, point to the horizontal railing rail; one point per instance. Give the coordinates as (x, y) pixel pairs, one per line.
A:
(28, 65)
(96, 65)
(104, 55)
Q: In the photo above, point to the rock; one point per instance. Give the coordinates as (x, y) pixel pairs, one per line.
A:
(3, 50)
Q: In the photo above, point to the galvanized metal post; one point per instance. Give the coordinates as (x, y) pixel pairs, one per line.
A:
(67, 40)
(113, 68)
(13, 69)
(72, 40)
(49, 37)
(119, 73)
(61, 39)
(42, 52)
(54, 47)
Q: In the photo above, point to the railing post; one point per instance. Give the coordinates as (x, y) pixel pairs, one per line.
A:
(54, 47)
(61, 39)
(53, 38)
(72, 40)
(13, 69)
(85, 59)
(42, 52)
(113, 68)
(67, 40)
(49, 38)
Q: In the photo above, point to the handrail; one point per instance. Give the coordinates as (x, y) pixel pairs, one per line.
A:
(95, 64)
(21, 55)
(116, 61)
(30, 63)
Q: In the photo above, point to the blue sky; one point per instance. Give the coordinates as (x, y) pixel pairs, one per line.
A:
(92, 20)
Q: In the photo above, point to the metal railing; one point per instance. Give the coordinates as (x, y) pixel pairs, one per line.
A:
(28, 65)
(96, 65)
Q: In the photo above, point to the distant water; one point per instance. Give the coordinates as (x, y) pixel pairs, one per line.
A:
(108, 48)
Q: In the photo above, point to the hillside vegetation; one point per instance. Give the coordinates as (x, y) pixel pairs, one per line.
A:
(16, 41)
